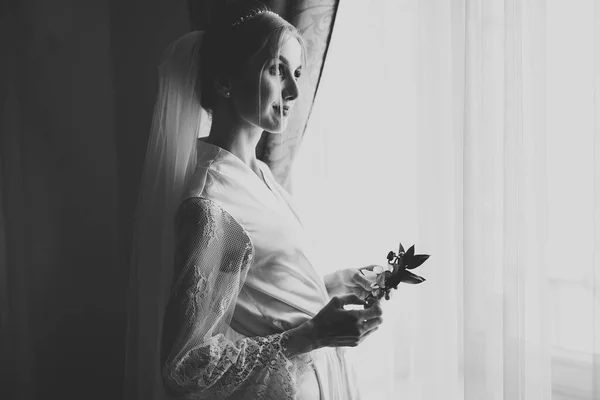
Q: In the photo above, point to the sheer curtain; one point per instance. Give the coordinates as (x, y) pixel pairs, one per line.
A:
(470, 129)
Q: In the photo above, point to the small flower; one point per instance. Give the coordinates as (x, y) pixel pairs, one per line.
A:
(396, 273)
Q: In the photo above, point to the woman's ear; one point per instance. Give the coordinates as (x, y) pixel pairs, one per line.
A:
(223, 86)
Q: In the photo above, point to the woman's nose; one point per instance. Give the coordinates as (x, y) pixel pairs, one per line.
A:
(291, 91)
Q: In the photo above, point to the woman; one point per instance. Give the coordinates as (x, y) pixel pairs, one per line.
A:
(248, 316)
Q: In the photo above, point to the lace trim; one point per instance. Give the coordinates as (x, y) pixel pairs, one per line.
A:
(213, 254)
(254, 368)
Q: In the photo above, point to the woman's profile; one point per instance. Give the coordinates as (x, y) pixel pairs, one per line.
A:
(247, 316)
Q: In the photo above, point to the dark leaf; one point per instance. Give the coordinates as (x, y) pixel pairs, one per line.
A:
(394, 278)
(409, 277)
(401, 248)
(417, 260)
(391, 282)
(408, 256)
(410, 252)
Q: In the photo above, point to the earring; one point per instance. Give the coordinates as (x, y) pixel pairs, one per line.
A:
(227, 94)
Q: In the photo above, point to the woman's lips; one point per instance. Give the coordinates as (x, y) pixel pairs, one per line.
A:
(285, 111)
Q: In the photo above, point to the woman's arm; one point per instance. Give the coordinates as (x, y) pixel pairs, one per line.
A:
(213, 253)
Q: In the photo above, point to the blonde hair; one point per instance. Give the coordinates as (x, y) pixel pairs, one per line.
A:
(227, 48)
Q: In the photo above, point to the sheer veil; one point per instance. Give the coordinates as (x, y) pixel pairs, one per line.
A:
(170, 160)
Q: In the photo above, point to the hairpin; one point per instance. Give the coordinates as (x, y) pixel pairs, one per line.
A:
(250, 16)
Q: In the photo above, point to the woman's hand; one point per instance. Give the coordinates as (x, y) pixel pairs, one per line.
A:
(350, 281)
(334, 326)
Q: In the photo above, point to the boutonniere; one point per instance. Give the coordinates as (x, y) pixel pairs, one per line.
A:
(398, 270)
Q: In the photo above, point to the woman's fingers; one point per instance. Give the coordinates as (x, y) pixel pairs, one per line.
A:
(345, 299)
(368, 313)
(362, 328)
(372, 312)
(335, 326)
(371, 324)
(351, 341)
(368, 333)
(365, 281)
(368, 267)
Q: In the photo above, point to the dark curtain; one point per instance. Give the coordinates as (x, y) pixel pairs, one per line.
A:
(314, 19)
(78, 83)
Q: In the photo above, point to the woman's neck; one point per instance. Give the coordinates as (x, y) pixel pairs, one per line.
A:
(237, 137)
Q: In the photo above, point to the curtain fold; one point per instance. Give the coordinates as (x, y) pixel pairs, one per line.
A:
(15, 336)
(469, 129)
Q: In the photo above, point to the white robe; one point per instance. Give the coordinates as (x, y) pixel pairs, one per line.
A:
(243, 262)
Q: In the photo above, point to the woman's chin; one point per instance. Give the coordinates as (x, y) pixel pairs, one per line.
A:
(276, 128)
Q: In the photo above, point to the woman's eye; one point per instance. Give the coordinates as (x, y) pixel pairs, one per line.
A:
(276, 69)
(298, 74)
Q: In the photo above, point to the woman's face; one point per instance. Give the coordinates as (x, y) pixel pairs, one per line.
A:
(264, 93)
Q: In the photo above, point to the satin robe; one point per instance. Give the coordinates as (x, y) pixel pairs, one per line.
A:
(282, 288)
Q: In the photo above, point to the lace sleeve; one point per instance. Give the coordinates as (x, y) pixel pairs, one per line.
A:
(212, 255)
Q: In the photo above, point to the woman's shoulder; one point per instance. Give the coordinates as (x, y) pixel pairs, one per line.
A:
(202, 221)
(202, 211)
(205, 194)
(203, 182)
(196, 185)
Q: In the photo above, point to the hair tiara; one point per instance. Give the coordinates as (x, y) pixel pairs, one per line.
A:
(252, 15)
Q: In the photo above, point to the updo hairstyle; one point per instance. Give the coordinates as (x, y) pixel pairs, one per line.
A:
(229, 44)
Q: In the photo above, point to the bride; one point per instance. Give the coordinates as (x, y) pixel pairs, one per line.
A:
(246, 315)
